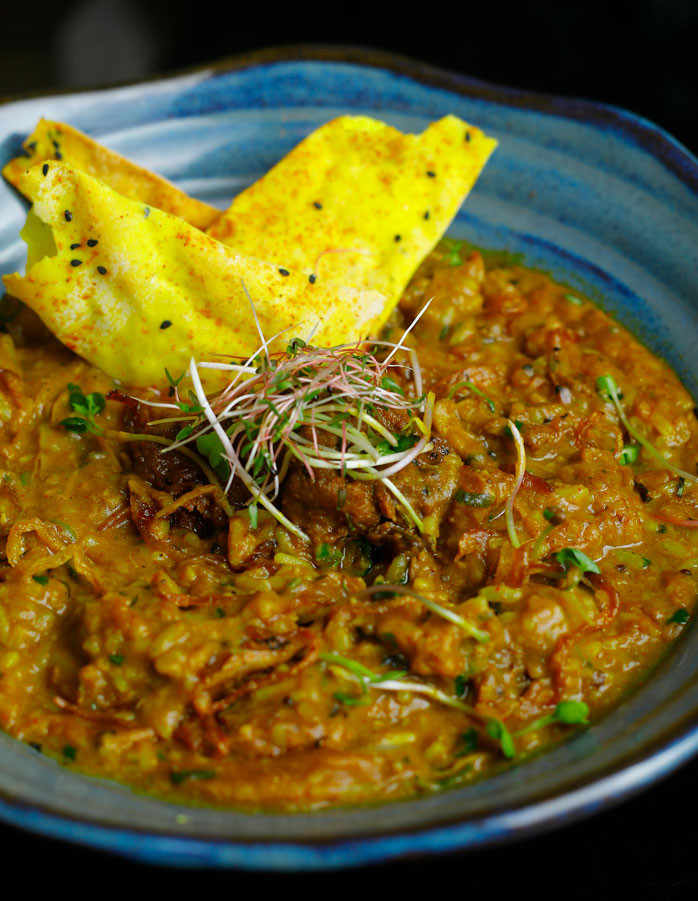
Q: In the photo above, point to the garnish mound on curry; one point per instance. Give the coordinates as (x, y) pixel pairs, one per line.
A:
(156, 631)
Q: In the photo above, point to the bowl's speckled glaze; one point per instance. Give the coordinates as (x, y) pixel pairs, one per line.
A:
(602, 200)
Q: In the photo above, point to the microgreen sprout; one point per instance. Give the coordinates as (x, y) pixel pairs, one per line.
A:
(680, 616)
(568, 713)
(538, 544)
(499, 732)
(607, 388)
(365, 675)
(388, 590)
(179, 776)
(518, 479)
(468, 743)
(172, 381)
(488, 400)
(460, 684)
(88, 406)
(395, 681)
(474, 499)
(571, 557)
(629, 454)
(318, 406)
(454, 248)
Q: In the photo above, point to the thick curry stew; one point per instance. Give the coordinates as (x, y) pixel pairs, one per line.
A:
(158, 631)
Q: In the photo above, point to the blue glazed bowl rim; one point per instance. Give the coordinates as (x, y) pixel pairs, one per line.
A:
(634, 773)
(640, 130)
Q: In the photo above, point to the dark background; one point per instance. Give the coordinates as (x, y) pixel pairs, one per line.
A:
(641, 56)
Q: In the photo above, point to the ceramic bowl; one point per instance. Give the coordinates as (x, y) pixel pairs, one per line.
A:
(602, 200)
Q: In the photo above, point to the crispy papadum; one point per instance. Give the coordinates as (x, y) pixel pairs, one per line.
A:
(324, 243)
(58, 141)
(134, 290)
(358, 201)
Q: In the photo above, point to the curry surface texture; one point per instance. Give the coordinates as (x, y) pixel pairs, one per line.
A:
(148, 637)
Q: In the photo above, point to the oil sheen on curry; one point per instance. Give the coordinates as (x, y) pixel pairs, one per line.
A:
(525, 558)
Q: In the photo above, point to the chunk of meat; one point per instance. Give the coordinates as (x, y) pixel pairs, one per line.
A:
(330, 508)
(172, 472)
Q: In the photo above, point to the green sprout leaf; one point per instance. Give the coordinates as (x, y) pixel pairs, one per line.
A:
(508, 432)
(461, 685)
(499, 732)
(454, 251)
(362, 673)
(629, 454)
(475, 390)
(571, 713)
(468, 743)
(88, 406)
(351, 700)
(179, 776)
(567, 713)
(294, 346)
(608, 389)
(680, 616)
(473, 499)
(571, 556)
(391, 385)
(210, 446)
(75, 424)
(174, 382)
(404, 442)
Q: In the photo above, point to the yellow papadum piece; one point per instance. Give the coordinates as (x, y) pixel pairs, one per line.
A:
(359, 202)
(57, 141)
(328, 239)
(134, 290)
